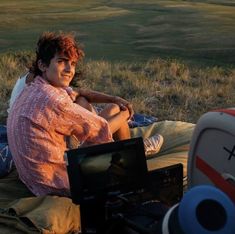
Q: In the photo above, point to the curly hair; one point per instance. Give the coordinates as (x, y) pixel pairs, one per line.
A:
(50, 43)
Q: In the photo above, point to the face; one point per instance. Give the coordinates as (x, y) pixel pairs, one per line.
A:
(60, 71)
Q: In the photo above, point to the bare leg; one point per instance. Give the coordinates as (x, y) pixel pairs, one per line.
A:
(111, 114)
(123, 132)
(116, 119)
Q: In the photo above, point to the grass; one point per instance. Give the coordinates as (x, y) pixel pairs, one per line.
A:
(168, 89)
(171, 59)
(197, 32)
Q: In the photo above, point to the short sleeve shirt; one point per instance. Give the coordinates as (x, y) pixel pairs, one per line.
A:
(39, 121)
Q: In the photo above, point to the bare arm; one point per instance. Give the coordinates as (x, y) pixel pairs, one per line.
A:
(98, 97)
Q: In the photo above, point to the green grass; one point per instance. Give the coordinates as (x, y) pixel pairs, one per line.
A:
(196, 32)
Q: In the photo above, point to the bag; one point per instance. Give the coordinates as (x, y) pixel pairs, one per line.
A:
(6, 161)
(212, 151)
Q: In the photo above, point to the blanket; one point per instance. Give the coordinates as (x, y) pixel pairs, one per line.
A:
(177, 136)
(21, 212)
(140, 120)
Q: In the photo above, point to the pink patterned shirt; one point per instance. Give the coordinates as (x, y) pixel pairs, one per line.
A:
(40, 120)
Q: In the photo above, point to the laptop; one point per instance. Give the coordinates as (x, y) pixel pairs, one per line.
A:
(102, 176)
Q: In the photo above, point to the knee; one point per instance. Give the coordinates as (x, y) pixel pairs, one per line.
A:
(109, 111)
(113, 109)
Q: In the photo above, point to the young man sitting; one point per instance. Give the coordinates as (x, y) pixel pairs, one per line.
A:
(47, 111)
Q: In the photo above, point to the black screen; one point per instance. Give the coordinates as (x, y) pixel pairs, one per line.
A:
(114, 167)
(111, 172)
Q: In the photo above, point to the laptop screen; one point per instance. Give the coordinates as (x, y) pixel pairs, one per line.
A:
(107, 169)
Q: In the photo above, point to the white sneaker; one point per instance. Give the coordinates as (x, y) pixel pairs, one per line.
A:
(153, 144)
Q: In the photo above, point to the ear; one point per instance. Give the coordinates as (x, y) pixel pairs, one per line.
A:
(41, 66)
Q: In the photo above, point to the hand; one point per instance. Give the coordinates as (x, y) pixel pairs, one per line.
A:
(124, 105)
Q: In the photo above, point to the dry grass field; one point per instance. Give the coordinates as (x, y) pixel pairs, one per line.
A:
(172, 59)
(167, 89)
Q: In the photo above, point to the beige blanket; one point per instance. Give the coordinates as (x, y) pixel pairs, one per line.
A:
(21, 212)
(177, 136)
